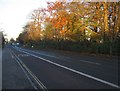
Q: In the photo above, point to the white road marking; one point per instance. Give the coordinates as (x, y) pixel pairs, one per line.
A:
(41, 54)
(10, 53)
(23, 55)
(61, 56)
(30, 72)
(75, 71)
(90, 62)
(23, 70)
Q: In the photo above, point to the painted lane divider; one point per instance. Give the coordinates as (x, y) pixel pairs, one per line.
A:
(30, 72)
(61, 56)
(75, 71)
(22, 69)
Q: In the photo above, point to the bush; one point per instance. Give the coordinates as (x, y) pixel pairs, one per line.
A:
(78, 46)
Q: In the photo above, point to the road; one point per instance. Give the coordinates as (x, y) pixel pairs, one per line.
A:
(52, 70)
(13, 76)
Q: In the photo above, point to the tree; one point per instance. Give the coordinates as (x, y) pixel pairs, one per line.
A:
(81, 22)
(2, 39)
(38, 18)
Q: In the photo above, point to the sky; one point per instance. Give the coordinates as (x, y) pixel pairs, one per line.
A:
(14, 14)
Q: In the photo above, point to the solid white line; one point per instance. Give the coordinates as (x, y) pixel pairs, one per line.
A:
(23, 70)
(35, 78)
(40, 53)
(61, 56)
(75, 71)
(10, 53)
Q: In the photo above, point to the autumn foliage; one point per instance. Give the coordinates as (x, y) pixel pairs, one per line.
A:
(75, 25)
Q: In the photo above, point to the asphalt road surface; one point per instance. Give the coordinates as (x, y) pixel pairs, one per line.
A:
(13, 76)
(29, 69)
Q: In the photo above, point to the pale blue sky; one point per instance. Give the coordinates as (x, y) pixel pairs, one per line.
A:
(14, 14)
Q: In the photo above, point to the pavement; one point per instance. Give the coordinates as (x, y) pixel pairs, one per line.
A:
(12, 75)
(56, 70)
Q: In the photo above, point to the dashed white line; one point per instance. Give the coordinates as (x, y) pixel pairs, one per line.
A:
(75, 71)
(61, 56)
(90, 62)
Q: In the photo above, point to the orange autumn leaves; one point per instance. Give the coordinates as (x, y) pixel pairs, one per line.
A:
(71, 21)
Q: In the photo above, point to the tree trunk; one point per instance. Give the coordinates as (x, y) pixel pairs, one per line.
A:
(111, 43)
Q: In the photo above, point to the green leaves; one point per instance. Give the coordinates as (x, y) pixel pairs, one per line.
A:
(74, 21)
